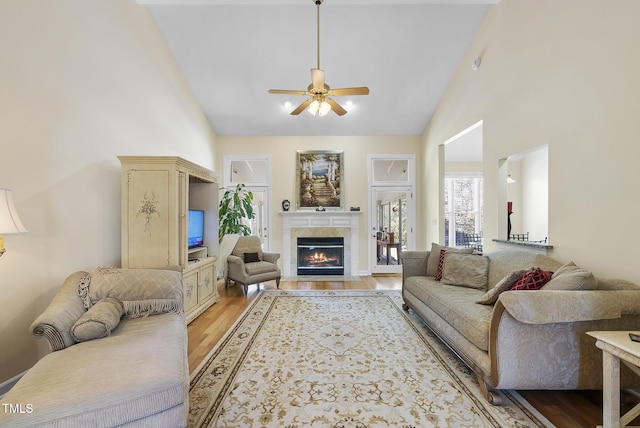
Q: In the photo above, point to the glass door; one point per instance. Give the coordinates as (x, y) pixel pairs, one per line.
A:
(391, 231)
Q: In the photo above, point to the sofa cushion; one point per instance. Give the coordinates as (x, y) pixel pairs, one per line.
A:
(571, 277)
(456, 305)
(141, 291)
(98, 321)
(434, 256)
(466, 270)
(505, 284)
(503, 262)
(532, 280)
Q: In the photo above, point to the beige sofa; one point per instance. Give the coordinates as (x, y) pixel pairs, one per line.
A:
(135, 376)
(529, 340)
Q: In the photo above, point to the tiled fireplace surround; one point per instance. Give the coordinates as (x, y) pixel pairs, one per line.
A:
(313, 224)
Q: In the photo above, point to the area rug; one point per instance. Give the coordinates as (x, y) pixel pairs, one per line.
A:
(340, 359)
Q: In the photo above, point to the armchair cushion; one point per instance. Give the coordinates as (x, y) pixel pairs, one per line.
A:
(256, 268)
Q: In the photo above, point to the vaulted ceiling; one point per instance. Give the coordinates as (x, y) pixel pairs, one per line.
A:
(233, 51)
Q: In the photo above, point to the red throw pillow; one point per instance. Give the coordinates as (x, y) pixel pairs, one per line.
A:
(440, 265)
(532, 280)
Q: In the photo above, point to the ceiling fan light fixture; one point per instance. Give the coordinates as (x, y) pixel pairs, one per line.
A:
(325, 108)
(320, 94)
(314, 107)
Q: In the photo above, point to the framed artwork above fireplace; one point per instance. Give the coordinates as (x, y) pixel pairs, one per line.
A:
(319, 180)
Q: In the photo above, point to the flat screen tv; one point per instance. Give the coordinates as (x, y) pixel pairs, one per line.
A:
(195, 228)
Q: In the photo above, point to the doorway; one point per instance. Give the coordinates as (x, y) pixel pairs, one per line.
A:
(254, 171)
(391, 211)
(390, 207)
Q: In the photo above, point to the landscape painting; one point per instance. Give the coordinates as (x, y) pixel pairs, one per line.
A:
(319, 180)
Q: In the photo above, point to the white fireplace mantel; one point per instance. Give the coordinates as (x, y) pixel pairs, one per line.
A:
(319, 219)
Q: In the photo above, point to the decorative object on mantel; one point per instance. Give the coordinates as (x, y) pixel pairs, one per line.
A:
(509, 212)
(355, 208)
(320, 208)
(286, 205)
(234, 210)
(10, 223)
(319, 176)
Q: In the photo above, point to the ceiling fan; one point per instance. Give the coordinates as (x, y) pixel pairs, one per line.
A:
(318, 91)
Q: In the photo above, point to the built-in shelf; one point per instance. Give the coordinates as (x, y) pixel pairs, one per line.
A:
(525, 245)
(196, 249)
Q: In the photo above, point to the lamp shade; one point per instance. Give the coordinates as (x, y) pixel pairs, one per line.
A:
(9, 221)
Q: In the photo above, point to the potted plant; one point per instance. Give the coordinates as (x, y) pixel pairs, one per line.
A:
(234, 210)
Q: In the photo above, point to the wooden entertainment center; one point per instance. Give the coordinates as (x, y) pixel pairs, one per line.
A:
(157, 194)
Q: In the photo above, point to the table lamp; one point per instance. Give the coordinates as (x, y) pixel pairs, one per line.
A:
(10, 223)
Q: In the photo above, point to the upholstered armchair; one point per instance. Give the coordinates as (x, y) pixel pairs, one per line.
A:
(248, 264)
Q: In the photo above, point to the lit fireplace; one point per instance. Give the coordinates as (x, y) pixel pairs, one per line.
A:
(321, 256)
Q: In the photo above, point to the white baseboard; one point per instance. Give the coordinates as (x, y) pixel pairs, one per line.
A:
(8, 384)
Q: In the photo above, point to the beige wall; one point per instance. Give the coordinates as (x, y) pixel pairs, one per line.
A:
(562, 73)
(82, 82)
(283, 153)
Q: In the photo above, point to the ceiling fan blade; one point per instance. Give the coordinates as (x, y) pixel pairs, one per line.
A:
(349, 91)
(287, 91)
(302, 106)
(337, 109)
(317, 79)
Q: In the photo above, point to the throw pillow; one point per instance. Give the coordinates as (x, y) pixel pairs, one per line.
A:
(571, 277)
(251, 257)
(98, 321)
(466, 270)
(491, 296)
(142, 291)
(532, 280)
(440, 264)
(434, 256)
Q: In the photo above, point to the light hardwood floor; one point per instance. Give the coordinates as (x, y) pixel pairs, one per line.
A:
(566, 409)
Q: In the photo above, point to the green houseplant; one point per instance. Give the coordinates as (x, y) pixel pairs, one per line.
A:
(235, 208)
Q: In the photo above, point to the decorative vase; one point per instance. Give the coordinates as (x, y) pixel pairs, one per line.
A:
(286, 204)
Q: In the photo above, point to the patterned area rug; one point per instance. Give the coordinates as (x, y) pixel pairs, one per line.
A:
(340, 359)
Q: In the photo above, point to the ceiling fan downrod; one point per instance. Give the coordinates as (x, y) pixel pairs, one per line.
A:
(318, 3)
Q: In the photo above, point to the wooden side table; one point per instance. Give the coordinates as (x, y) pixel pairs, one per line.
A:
(389, 245)
(616, 346)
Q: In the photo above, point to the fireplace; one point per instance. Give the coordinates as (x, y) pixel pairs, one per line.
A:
(321, 256)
